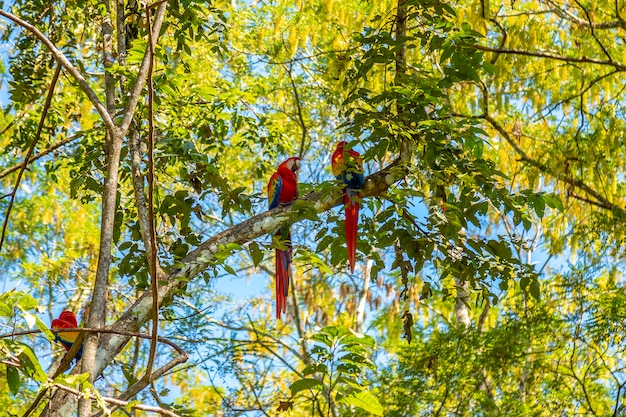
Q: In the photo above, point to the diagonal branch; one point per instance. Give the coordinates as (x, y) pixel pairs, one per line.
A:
(549, 55)
(62, 60)
(40, 155)
(31, 149)
(600, 200)
(593, 33)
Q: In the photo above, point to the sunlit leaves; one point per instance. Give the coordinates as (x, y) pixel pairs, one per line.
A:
(341, 356)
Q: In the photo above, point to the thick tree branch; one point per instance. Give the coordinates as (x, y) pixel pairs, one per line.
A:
(62, 60)
(108, 59)
(120, 30)
(113, 140)
(109, 205)
(140, 196)
(63, 405)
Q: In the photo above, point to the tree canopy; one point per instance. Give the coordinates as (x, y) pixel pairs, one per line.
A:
(139, 140)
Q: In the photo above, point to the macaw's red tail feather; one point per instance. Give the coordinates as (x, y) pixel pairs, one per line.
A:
(352, 220)
(283, 275)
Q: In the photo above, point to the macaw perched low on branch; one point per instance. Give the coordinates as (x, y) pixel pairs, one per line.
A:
(282, 189)
(348, 168)
(66, 320)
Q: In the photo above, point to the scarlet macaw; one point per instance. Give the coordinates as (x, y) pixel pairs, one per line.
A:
(282, 189)
(347, 167)
(66, 320)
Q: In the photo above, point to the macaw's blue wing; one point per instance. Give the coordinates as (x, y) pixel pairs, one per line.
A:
(273, 190)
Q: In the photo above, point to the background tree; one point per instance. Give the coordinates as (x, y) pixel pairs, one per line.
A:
(493, 142)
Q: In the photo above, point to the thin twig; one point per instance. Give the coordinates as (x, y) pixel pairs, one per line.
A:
(140, 385)
(40, 155)
(593, 33)
(30, 151)
(296, 98)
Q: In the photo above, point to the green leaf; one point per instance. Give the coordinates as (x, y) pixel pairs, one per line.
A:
(498, 248)
(256, 253)
(364, 400)
(534, 289)
(302, 384)
(357, 360)
(73, 380)
(229, 269)
(31, 365)
(319, 350)
(305, 210)
(322, 337)
(311, 369)
(43, 328)
(13, 379)
(127, 370)
(27, 302)
(553, 201)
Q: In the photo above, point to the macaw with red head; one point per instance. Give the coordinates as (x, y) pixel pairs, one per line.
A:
(347, 166)
(282, 189)
(66, 320)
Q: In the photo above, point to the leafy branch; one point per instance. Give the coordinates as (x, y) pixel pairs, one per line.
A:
(62, 60)
(203, 257)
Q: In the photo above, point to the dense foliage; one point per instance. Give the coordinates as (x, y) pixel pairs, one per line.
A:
(489, 274)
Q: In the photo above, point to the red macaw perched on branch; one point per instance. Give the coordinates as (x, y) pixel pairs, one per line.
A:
(348, 168)
(282, 189)
(66, 320)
